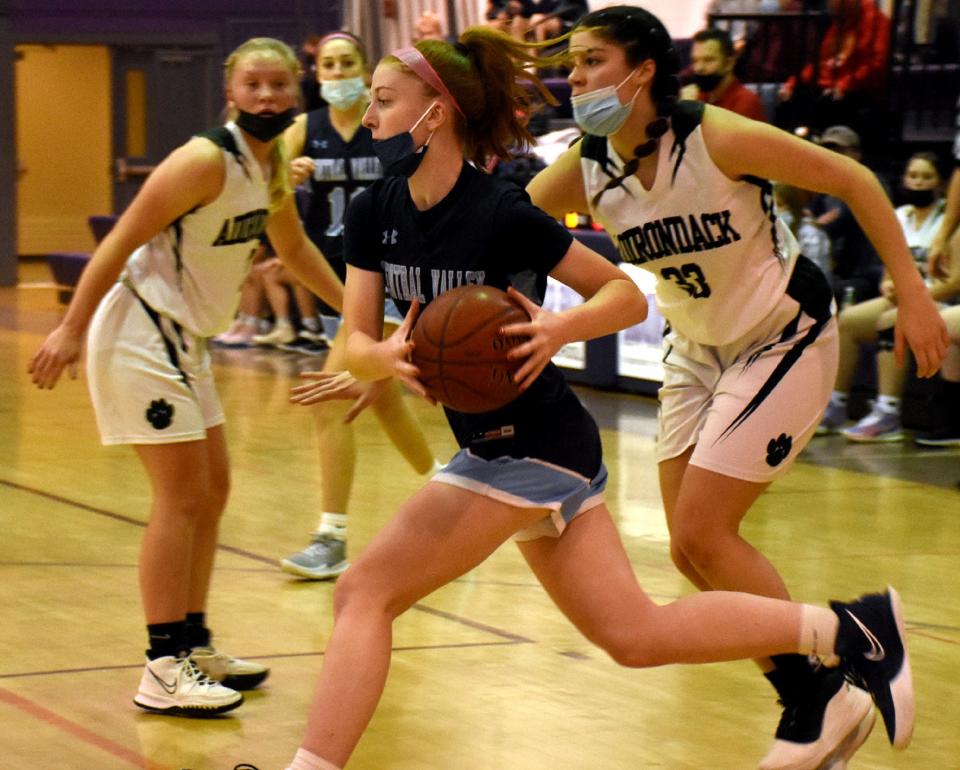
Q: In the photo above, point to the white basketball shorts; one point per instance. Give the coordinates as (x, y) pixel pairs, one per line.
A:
(150, 380)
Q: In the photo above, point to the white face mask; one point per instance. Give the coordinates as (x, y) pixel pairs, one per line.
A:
(343, 94)
(600, 112)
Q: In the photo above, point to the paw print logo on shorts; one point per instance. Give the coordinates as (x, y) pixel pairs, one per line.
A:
(160, 414)
(778, 449)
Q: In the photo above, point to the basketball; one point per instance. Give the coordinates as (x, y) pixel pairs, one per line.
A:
(461, 355)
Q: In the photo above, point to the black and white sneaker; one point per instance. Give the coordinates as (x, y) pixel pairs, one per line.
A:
(872, 648)
(306, 346)
(824, 722)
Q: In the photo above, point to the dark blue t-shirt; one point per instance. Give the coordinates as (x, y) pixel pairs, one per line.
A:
(484, 231)
(343, 170)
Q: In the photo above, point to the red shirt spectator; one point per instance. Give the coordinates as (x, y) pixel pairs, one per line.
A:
(711, 62)
(854, 51)
(735, 97)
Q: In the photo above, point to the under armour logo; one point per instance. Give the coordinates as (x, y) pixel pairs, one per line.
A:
(389, 237)
(321, 144)
(778, 449)
(159, 414)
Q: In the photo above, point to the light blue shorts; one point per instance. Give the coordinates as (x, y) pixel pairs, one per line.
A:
(528, 483)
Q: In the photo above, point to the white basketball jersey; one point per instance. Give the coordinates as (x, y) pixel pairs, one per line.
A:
(721, 256)
(192, 271)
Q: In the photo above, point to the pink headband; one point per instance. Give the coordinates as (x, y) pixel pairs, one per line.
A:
(339, 36)
(425, 71)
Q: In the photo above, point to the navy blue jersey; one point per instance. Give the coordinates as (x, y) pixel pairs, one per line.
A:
(485, 231)
(343, 170)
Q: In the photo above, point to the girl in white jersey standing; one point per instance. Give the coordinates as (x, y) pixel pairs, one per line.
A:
(532, 470)
(181, 251)
(751, 350)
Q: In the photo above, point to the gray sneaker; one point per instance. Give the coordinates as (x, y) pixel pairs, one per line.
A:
(324, 558)
(833, 418)
(877, 427)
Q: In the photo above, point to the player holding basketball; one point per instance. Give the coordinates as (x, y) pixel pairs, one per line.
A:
(532, 470)
(332, 150)
(181, 251)
(752, 348)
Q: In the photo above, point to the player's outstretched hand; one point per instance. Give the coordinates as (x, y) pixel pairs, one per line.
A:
(545, 338)
(337, 386)
(60, 349)
(920, 326)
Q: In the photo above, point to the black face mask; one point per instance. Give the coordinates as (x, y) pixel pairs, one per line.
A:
(265, 127)
(707, 82)
(919, 198)
(399, 155)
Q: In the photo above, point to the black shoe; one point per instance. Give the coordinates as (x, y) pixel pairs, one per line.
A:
(306, 347)
(824, 721)
(873, 652)
(940, 437)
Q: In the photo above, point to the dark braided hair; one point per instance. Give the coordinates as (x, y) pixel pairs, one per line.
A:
(642, 36)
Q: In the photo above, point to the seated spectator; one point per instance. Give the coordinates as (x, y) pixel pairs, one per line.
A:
(548, 17)
(428, 27)
(779, 48)
(510, 16)
(712, 61)
(248, 322)
(278, 285)
(947, 434)
(951, 217)
(791, 205)
(846, 81)
(856, 264)
(873, 321)
(308, 79)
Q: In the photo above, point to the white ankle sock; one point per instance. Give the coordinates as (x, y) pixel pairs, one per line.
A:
(839, 398)
(889, 404)
(333, 524)
(818, 633)
(307, 760)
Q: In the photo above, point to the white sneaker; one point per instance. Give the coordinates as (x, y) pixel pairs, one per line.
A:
(176, 686)
(823, 729)
(234, 673)
(281, 335)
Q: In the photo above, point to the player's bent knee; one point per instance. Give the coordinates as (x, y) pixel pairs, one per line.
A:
(359, 591)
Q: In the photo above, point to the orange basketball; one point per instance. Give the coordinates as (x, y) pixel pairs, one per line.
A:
(461, 355)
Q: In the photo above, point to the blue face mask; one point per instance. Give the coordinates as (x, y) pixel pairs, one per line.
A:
(398, 154)
(343, 94)
(600, 112)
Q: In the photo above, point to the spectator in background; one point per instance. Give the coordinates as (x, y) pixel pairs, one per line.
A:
(873, 320)
(548, 16)
(428, 27)
(779, 48)
(712, 61)
(308, 75)
(848, 76)
(951, 217)
(791, 205)
(855, 261)
(510, 16)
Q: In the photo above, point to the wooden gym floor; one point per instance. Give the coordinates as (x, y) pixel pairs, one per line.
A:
(486, 672)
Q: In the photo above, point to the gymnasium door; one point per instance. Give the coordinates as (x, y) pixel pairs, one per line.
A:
(161, 97)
